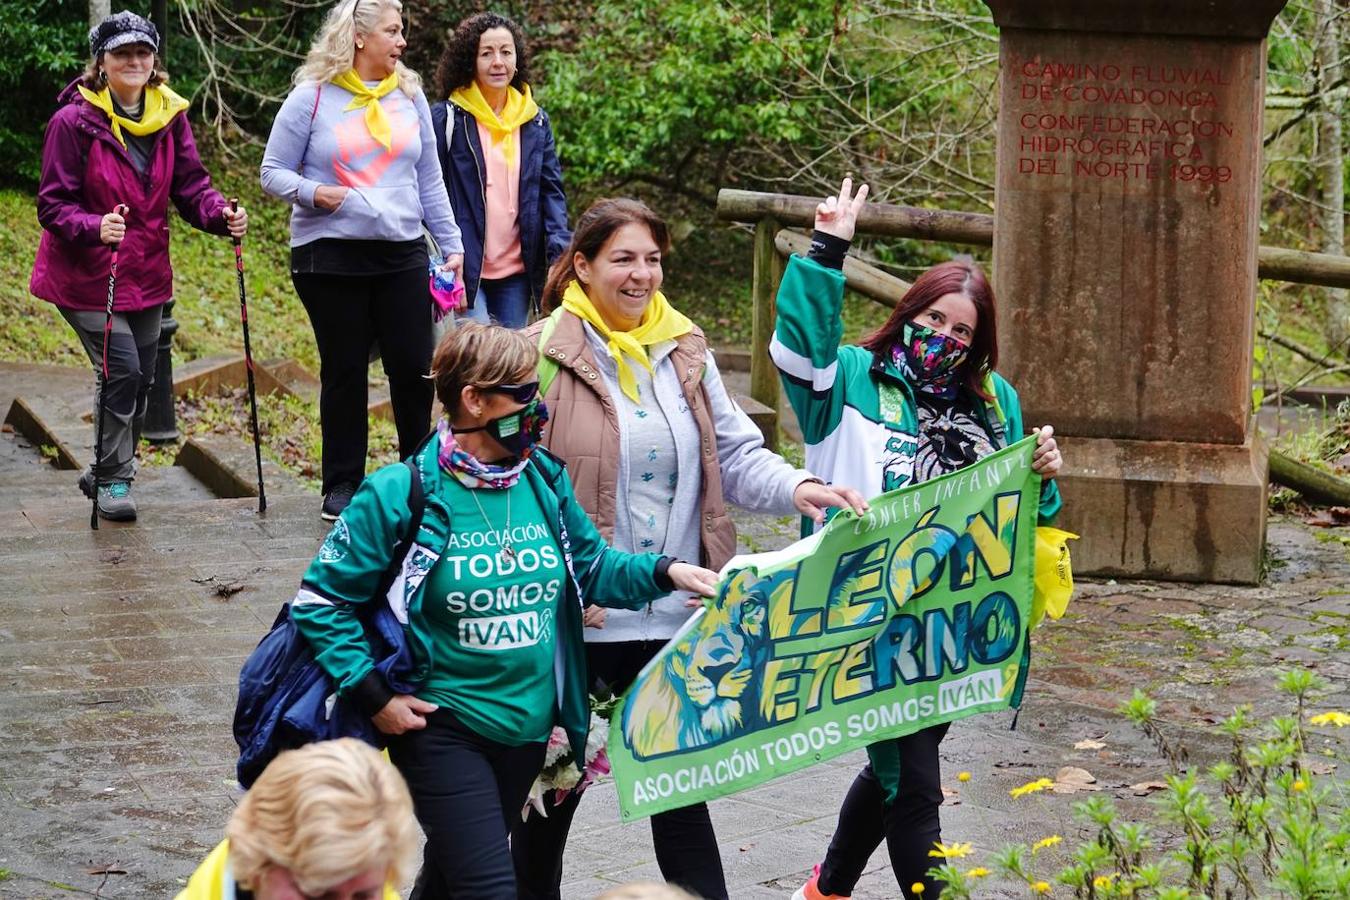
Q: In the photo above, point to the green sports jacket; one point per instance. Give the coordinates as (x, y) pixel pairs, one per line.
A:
(347, 571)
(835, 392)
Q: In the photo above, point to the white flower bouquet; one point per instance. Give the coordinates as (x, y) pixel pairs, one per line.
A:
(561, 775)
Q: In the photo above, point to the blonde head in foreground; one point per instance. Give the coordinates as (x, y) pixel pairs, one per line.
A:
(320, 817)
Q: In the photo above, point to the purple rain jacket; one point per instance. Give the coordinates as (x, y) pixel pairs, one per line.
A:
(86, 172)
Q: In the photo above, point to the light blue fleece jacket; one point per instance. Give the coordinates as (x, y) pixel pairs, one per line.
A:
(392, 191)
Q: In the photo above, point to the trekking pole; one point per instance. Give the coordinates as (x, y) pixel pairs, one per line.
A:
(248, 362)
(121, 210)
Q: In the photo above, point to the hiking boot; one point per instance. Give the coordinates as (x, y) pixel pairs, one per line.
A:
(336, 500)
(114, 498)
(811, 890)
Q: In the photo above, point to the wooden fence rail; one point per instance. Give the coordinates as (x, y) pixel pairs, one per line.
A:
(770, 212)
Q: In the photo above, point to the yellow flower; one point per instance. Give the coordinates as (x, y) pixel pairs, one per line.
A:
(916, 887)
(963, 777)
(1041, 887)
(1339, 719)
(977, 872)
(1299, 785)
(952, 851)
(1103, 881)
(1031, 787)
(1051, 841)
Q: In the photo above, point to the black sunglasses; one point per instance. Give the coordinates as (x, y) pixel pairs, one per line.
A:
(521, 393)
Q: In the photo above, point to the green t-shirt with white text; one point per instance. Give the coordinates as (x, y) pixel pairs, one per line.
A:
(491, 615)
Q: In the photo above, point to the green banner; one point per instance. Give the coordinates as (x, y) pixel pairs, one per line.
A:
(872, 628)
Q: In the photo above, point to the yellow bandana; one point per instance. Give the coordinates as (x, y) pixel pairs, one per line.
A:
(661, 322)
(377, 122)
(519, 109)
(161, 105)
(212, 876)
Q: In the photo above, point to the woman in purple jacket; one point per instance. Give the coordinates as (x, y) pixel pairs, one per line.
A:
(120, 139)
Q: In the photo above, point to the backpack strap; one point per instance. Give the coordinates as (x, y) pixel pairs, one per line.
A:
(417, 503)
(313, 114)
(548, 367)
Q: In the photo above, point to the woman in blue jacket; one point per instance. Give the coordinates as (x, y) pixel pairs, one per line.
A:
(501, 169)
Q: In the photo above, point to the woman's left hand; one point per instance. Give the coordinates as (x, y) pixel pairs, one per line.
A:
(696, 580)
(1047, 459)
(236, 220)
(454, 263)
(593, 616)
(811, 499)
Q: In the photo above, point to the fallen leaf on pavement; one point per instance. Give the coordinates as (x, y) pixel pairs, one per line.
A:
(1144, 788)
(1088, 745)
(1071, 780)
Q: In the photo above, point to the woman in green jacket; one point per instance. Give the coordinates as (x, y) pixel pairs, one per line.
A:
(918, 399)
(494, 587)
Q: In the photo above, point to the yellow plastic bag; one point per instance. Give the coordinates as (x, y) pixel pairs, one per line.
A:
(1054, 574)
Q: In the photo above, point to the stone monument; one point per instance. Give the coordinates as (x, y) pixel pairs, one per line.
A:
(1125, 248)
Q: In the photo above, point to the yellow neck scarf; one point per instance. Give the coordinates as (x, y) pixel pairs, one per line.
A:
(661, 322)
(377, 122)
(519, 109)
(160, 106)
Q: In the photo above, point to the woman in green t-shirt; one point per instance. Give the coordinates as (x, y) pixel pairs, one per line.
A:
(505, 557)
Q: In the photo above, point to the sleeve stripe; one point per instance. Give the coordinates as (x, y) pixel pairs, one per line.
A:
(309, 598)
(800, 367)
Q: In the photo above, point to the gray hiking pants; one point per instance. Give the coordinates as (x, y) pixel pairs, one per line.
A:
(131, 371)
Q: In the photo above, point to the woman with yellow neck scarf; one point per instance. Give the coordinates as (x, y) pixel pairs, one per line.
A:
(352, 151)
(501, 169)
(655, 447)
(117, 151)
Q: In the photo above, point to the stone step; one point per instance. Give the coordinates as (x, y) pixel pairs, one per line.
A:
(51, 423)
(226, 463)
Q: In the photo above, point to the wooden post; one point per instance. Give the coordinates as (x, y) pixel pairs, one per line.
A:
(764, 294)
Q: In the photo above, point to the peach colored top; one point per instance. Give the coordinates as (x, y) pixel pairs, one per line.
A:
(501, 241)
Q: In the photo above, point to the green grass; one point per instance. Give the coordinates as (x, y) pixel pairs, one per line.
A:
(707, 277)
(207, 307)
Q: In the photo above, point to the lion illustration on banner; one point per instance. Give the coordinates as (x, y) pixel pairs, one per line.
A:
(706, 689)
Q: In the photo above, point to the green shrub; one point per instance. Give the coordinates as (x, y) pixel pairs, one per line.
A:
(1257, 824)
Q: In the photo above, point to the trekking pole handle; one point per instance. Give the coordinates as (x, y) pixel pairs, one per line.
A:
(120, 209)
(234, 207)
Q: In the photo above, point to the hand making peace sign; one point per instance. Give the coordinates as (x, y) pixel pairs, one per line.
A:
(839, 215)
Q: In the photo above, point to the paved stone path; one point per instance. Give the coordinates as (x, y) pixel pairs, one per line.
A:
(119, 651)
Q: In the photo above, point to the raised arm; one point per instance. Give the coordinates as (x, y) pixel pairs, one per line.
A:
(809, 329)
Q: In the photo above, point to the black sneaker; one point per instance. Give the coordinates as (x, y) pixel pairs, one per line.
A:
(336, 501)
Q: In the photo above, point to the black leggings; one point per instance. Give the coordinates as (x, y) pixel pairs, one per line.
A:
(468, 791)
(909, 826)
(686, 847)
(350, 313)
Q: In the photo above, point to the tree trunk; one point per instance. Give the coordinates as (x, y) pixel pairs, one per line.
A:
(159, 14)
(98, 11)
(1331, 161)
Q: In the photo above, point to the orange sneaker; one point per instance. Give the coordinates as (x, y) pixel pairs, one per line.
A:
(811, 890)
